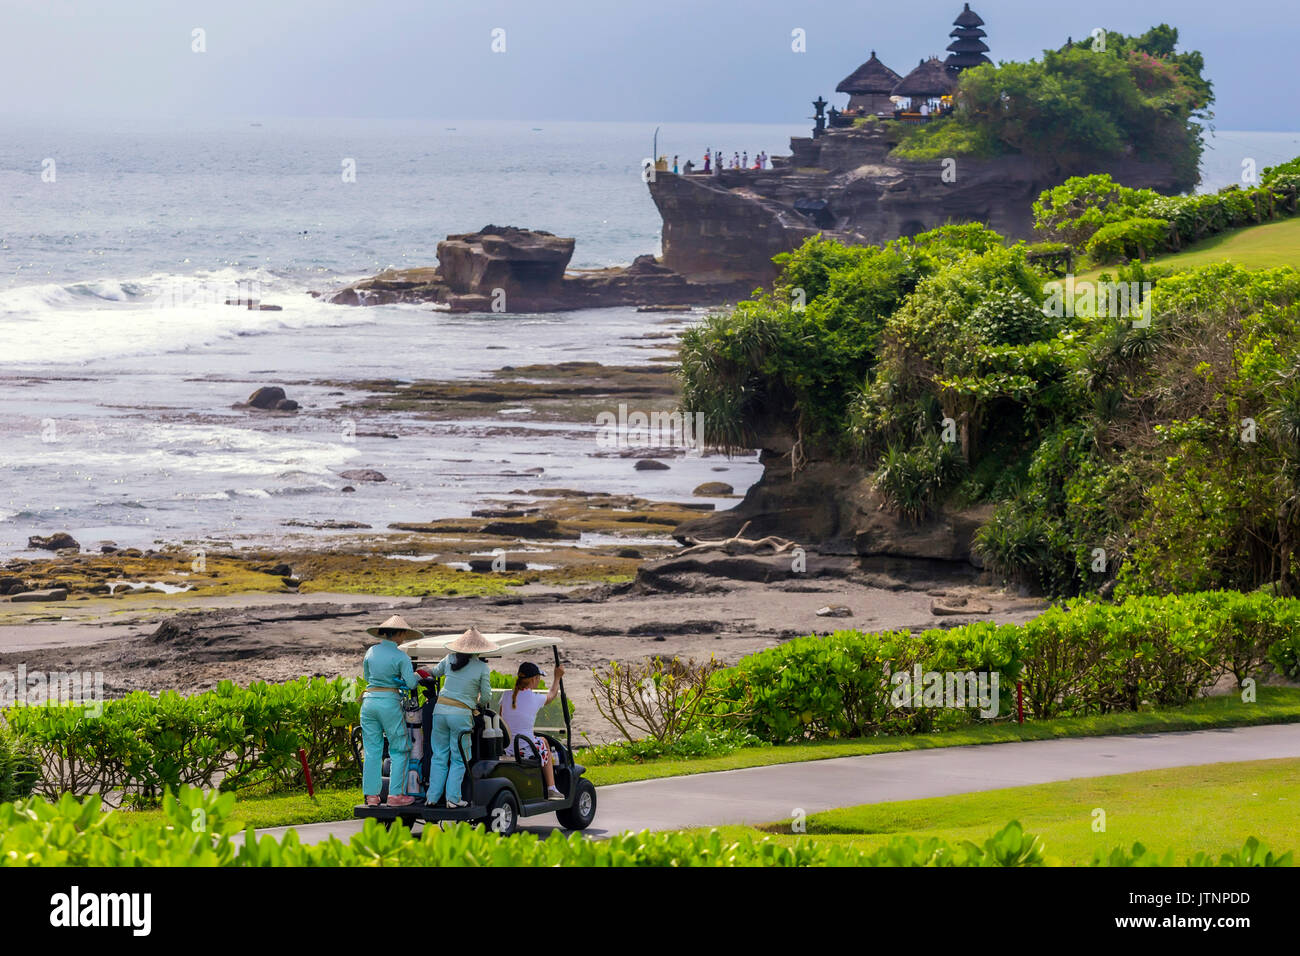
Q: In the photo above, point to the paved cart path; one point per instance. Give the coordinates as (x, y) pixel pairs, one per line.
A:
(764, 794)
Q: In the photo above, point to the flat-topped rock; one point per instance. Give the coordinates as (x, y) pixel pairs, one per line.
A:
(506, 269)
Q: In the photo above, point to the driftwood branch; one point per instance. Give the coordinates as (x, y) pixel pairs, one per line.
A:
(738, 544)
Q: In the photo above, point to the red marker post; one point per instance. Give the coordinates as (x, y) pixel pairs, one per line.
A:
(1020, 702)
(306, 772)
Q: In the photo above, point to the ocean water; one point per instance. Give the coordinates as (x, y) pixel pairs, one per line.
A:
(119, 361)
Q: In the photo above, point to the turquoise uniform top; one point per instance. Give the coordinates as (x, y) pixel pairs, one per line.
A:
(387, 665)
(469, 685)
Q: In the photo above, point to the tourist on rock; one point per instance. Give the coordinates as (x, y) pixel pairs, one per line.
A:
(674, 165)
(744, 160)
(708, 161)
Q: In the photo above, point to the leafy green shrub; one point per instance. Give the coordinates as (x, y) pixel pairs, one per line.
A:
(1274, 174)
(1252, 853)
(1079, 659)
(910, 482)
(141, 746)
(18, 769)
(1134, 238)
(949, 136)
(1284, 655)
(1073, 211)
(1017, 546)
(841, 686)
(793, 360)
(76, 833)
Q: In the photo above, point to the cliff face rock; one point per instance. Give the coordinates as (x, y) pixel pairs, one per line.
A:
(831, 506)
(844, 185)
(508, 269)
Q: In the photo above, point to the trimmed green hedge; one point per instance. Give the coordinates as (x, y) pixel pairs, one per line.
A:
(1113, 223)
(196, 831)
(1079, 659)
(141, 746)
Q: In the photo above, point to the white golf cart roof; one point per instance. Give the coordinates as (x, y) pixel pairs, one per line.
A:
(427, 648)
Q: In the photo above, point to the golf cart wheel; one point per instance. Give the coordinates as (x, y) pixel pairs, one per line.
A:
(583, 811)
(503, 814)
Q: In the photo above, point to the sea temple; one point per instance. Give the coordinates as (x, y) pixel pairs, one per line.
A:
(876, 90)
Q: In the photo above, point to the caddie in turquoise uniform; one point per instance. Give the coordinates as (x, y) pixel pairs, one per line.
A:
(389, 673)
(466, 688)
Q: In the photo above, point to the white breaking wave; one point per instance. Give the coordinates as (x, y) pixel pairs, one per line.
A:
(193, 453)
(54, 324)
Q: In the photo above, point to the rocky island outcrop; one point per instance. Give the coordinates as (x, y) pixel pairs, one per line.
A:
(509, 269)
(721, 231)
(843, 184)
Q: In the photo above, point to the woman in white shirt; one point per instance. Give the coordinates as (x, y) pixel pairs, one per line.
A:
(519, 711)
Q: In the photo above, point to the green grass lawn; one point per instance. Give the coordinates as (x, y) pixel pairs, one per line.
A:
(1213, 808)
(1265, 246)
(1275, 705)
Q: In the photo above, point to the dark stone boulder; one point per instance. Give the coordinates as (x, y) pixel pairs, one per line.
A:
(528, 528)
(266, 398)
(713, 489)
(363, 474)
(650, 464)
(58, 541)
(486, 565)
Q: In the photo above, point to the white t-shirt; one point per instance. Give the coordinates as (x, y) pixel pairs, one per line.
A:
(520, 717)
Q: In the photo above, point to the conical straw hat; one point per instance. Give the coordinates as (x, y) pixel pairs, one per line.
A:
(395, 623)
(471, 642)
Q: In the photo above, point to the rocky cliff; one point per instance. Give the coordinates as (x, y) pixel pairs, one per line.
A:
(727, 226)
(831, 507)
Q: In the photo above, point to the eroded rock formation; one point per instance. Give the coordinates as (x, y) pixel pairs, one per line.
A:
(727, 226)
(507, 269)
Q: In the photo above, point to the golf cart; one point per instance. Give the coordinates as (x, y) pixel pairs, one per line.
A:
(503, 777)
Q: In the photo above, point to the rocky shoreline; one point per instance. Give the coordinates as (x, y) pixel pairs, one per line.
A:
(654, 600)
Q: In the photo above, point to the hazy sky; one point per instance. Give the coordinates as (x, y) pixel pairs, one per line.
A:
(662, 60)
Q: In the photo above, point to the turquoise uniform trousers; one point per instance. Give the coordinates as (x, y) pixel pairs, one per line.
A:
(382, 716)
(447, 769)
